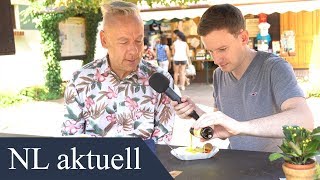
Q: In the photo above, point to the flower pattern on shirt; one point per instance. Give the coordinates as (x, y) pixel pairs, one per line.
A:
(98, 103)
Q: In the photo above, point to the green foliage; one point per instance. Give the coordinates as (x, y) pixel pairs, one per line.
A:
(166, 2)
(41, 93)
(299, 145)
(10, 99)
(314, 93)
(47, 15)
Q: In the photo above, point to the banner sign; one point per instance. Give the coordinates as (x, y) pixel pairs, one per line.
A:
(78, 158)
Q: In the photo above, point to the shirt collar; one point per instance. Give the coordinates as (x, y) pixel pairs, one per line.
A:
(132, 77)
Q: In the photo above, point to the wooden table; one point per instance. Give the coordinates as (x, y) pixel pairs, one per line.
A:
(226, 164)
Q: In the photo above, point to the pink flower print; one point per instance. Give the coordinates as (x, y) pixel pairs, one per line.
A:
(156, 133)
(111, 93)
(165, 100)
(72, 127)
(89, 102)
(106, 72)
(99, 77)
(131, 104)
(111, 117)
(154, 99)
(138, 114)
(144, 80)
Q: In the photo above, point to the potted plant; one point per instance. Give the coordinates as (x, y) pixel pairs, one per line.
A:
(299, 147)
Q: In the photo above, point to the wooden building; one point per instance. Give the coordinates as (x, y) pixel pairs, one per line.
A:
(300, 16)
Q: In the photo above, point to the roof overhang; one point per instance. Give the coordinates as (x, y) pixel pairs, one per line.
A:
(256, 8)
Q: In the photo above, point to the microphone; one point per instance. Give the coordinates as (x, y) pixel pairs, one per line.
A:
(160, 83)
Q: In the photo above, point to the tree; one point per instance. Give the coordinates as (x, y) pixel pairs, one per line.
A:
(48, 13)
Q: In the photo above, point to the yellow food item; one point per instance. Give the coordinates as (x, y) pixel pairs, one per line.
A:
(195, 150)
(205, 149)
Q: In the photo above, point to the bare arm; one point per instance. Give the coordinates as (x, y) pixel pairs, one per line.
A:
(295, 111)
(168, 52)
(173, 50)
(188, 51)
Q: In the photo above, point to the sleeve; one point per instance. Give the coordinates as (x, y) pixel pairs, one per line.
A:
(284, 83)
(214, 92)
(74, 122)
(164, 119)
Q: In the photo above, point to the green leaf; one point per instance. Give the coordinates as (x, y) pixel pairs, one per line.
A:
(115, 106)
(295, 148)
(109, 111)
(71, 115)
(135, 99)
(99, 85)
(136, 124)
(137, 89)
(143, 89)
(275, 156)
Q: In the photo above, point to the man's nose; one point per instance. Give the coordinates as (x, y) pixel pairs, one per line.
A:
(133, 48)
(217, 59)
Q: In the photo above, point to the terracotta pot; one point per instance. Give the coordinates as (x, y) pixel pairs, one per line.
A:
(299, 172)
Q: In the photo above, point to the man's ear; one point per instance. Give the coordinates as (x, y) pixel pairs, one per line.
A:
(244, 37)
(103, 39)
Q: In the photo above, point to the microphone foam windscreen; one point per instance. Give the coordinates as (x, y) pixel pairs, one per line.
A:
(159, 82)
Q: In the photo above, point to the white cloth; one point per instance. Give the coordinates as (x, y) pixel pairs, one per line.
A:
(164, 65)
(180, 51)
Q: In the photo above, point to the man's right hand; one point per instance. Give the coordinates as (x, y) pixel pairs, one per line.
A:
(185, 108)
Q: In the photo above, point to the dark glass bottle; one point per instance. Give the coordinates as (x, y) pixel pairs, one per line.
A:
(205, 133)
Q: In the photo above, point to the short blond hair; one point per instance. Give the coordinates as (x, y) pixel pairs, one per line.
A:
(116, 8)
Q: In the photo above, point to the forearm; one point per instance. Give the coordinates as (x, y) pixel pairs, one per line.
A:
(199, 111)
(271, 126)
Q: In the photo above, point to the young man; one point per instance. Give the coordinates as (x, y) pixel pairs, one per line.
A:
(111, 97)
(255, 93)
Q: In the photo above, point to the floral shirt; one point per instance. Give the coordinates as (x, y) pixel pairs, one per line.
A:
(147, 55)
(98, 103)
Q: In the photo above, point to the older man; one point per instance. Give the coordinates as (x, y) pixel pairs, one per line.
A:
(111, 97)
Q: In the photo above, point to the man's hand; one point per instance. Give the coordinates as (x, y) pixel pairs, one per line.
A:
(222, 125)
(185, 108)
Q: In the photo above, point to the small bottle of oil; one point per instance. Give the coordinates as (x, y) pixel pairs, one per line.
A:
(205, 133)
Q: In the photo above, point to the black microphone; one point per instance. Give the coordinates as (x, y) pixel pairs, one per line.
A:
(160, 83)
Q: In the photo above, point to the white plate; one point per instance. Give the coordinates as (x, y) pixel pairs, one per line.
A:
(182, 154)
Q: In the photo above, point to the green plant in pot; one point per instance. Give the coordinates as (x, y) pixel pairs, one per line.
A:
(299, 147)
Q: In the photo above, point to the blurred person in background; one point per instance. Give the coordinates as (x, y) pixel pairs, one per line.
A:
(163, 53)
(180, 51)
(148, 53)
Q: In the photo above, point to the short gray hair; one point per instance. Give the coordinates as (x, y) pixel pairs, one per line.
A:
(121, 8)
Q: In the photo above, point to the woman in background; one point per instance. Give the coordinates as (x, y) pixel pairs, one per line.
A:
(148, 53)
(180, 51)
(163, 53)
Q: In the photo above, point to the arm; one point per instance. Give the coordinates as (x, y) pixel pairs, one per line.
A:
(188, 52)
(73, 123)
(164, 118)
(288, 97)
(295, 111)
(168, 53)
(173, 49)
